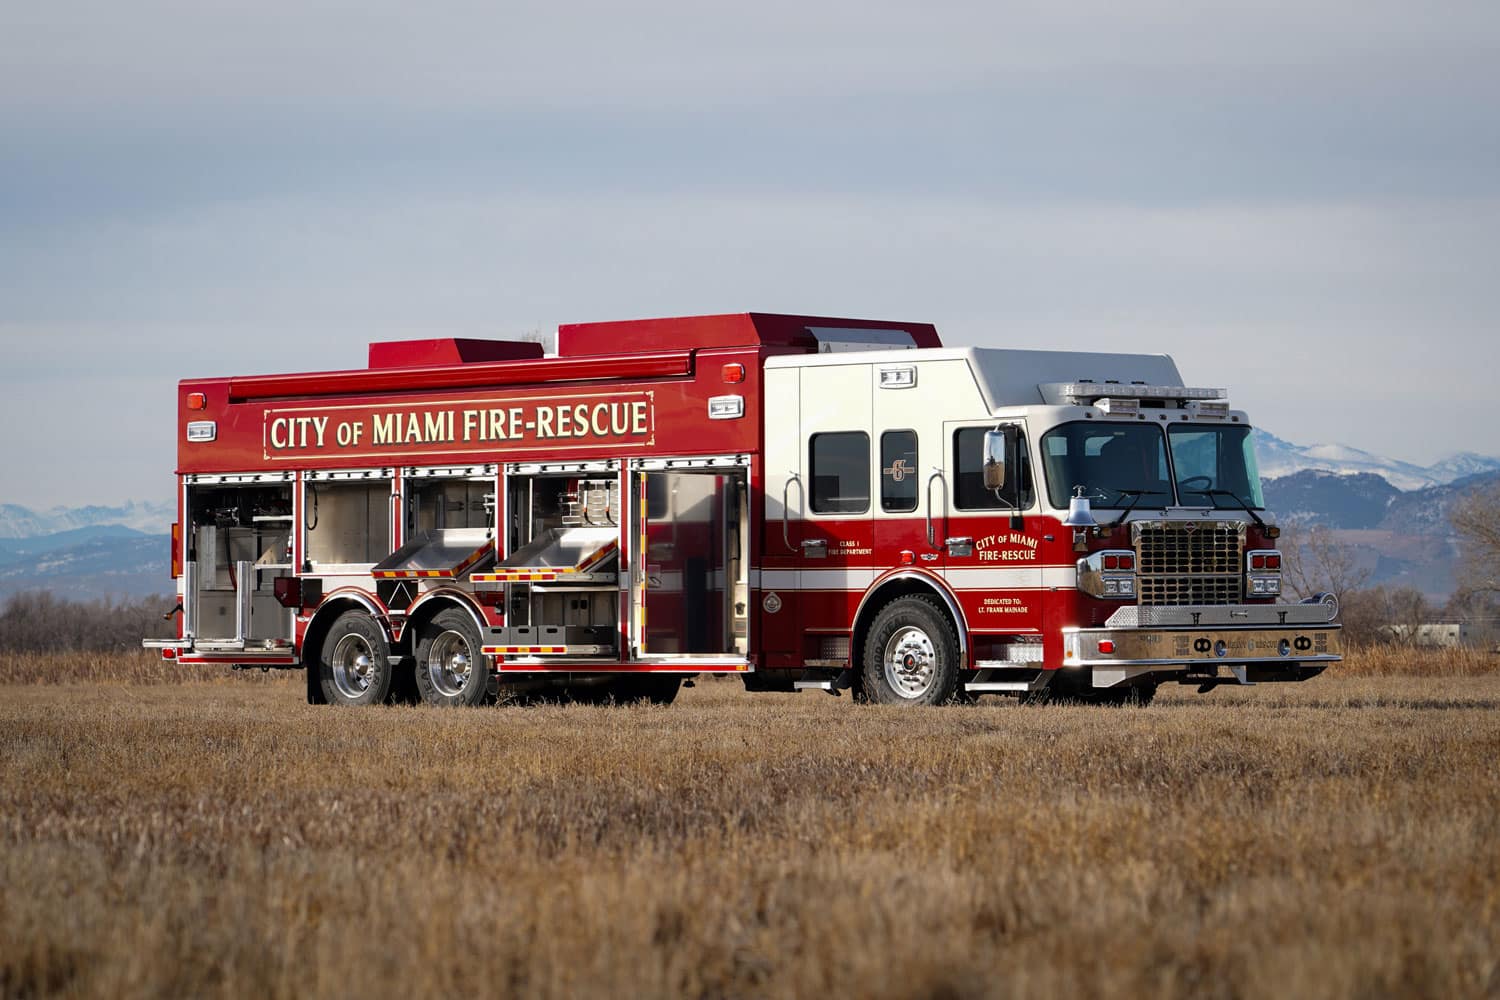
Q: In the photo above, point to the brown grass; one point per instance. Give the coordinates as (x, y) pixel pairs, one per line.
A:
(1331, 838)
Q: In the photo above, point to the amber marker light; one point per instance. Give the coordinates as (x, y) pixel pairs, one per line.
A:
(734, 372)
(197, 401)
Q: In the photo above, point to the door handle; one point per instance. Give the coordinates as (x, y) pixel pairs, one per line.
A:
(937, 474)
(960, 547)
(786, 537)
(815, 548)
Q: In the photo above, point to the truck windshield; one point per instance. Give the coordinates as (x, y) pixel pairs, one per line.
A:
(1122, 465)
(1119, 465)
(1215, 465)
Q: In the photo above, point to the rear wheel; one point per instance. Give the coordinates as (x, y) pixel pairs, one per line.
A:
(450, 668)
(911, 654)
(355, 665)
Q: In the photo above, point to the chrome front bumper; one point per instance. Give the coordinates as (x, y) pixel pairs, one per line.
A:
(1193, 637)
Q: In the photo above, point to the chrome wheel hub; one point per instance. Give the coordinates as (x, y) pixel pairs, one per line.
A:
(450, 663)
(910, 662)
(353, 665)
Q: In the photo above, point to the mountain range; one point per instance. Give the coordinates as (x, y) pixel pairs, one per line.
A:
(144, 517)
(1278, 458)
(1392, 514)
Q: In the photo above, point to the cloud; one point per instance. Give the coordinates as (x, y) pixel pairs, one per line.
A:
(1299, 200)
(474, 55)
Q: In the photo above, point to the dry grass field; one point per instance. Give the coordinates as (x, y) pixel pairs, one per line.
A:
(220, 838)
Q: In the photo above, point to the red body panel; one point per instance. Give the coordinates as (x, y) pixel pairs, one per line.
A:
(449, 351)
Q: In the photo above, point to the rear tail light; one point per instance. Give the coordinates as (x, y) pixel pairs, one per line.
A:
(1106, 645)
(1111, 562)
(1127, 561)
(1273, 561)
(1257, 562)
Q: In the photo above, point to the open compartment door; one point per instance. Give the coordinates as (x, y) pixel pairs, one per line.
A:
(690, 538)
(443, 554)
(577, 555)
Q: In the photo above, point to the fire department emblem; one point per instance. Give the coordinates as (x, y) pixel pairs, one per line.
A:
(772, 603)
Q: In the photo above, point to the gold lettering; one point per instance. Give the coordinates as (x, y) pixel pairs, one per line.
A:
(386, 428)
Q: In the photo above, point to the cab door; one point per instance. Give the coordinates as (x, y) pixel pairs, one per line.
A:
(774, 607)
(819, 530)
(910, 481)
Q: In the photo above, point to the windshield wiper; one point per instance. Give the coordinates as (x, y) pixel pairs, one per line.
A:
(1237, 499)
(1135, 498)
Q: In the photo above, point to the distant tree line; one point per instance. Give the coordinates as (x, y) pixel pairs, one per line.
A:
(1315, 560)
(37, 621)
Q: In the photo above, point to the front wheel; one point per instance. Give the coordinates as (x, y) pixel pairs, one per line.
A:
(450, 667)
(911, 654)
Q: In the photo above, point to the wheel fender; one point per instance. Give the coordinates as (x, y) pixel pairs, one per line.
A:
(900, 584)
(426, 607)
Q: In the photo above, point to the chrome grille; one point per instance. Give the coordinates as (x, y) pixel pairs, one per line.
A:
(1189, 562)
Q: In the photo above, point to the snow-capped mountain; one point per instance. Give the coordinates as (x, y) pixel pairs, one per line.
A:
(1280, 458)
(145, 516)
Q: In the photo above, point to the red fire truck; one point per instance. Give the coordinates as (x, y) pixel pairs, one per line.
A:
(804, 502)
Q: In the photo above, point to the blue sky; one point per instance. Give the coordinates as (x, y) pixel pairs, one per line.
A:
(1300, 201)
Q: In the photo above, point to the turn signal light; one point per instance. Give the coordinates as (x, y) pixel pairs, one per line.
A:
(1273, 562)
(1111, 562)
(733, 372)
(1257, 562)
(1127, 561)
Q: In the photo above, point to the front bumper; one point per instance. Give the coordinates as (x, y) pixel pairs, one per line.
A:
(1189, 638)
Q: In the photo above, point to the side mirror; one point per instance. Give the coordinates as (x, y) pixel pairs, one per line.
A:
(1002, 458)
(994, 460)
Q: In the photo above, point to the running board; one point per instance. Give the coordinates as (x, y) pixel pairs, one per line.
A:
(998, 677)
(833, 685)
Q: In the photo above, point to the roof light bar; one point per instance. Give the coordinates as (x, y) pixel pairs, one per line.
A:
(1084, 391)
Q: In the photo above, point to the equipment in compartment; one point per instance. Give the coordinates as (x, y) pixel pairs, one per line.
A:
(239, 543)
(562, 573)
(348, 523)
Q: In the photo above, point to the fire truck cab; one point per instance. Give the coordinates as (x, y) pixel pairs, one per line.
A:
(804, 502)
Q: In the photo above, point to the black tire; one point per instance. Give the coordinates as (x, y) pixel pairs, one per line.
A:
(450, 667)
(354, 666)
(911, 654)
